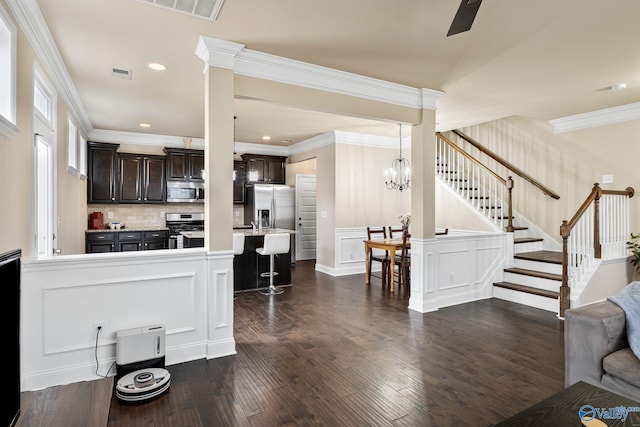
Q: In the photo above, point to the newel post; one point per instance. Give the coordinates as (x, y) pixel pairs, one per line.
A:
(565, 231)
(597, 246)
(510, 228)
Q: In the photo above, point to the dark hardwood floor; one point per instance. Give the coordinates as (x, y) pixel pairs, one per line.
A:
(330, 352)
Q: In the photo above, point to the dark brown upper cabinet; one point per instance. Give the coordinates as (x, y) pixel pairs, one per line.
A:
(264, 169)
(238, 182)
(142, 179)
(102, 172)
(185, 165)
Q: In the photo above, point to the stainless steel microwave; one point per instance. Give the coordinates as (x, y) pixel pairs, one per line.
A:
(185, 192)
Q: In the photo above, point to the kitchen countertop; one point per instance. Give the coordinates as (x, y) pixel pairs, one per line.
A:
(264, 231)
(247, 232)
(123, 230)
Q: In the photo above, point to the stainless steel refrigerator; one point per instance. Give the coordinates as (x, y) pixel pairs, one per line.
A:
(270, 206)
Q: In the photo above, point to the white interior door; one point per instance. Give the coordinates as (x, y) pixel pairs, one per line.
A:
(44, 196)
(305, 217)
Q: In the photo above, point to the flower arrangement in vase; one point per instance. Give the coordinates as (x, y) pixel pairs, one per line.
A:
(405, 220)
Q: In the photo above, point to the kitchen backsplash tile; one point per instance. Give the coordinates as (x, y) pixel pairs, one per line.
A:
(152, 215)
(142, 215)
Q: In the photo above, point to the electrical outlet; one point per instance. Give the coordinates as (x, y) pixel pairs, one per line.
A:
(99, 326)
(110, 215)
(161, 214)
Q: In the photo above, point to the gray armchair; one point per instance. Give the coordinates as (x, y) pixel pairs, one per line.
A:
(597, 350)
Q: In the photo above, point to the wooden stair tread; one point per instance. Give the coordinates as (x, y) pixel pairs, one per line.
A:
(520, 228)
(528, 289)
(551, 257)
(534, 273)
(527, 240)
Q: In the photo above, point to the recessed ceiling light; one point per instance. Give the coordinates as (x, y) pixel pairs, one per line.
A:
(266, 138)
(145, 125)
(157, 66)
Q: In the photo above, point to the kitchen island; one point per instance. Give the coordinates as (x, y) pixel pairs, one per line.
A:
(248, 265)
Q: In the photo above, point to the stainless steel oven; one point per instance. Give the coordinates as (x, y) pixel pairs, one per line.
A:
(179, 222)
(185, 192)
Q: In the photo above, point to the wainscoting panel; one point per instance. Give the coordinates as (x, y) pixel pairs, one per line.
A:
(456, 268)
(63, 298)
(142, 296)
(447, 270)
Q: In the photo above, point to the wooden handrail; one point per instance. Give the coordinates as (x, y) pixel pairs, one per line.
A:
(471, 158)
(565, 232)
(508, 183)
(596, 193)
(547, 191)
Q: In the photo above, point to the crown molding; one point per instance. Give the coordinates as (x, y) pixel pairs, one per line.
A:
(374, 141)
(607, 116)
(314, 143)
(145, 139)
(217, 52)
(30, 19)
(269, 150)
(265, 66)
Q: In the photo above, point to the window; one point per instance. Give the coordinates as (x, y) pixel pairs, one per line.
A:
(44, 97)
(72, 148)
(82, 157)
(7, 75)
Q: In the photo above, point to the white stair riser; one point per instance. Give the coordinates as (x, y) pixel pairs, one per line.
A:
(538, 266)
(521, 234)
(527, 247)
(543, 303)
(534, 282)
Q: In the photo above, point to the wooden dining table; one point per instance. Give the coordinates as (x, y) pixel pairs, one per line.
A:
(391, 245)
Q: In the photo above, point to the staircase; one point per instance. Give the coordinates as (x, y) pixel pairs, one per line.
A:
(540, 278)
(536, 275)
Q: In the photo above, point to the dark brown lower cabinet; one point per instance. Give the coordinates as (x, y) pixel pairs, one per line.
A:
(129, 241)
(154, 240)
(126, 241)
(100, 242)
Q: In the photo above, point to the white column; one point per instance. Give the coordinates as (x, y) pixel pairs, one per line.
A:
(423, 295)
(219, 111)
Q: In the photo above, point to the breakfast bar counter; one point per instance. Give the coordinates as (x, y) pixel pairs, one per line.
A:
(248, 265)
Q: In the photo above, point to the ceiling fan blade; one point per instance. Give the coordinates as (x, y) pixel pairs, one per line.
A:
(464, 17)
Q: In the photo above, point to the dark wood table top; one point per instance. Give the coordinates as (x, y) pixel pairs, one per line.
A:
(563, 409)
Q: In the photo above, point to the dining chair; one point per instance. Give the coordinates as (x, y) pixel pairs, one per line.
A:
(395, 230)
(403, 262)
(377, 255)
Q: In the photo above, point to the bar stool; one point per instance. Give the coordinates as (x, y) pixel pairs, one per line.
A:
(238, 247)
(274, 244)
(238, 243)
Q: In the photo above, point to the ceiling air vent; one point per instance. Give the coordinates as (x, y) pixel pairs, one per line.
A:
(207, 9)
(121, 74)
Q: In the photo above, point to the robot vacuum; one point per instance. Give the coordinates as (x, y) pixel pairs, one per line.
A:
(143, 384)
